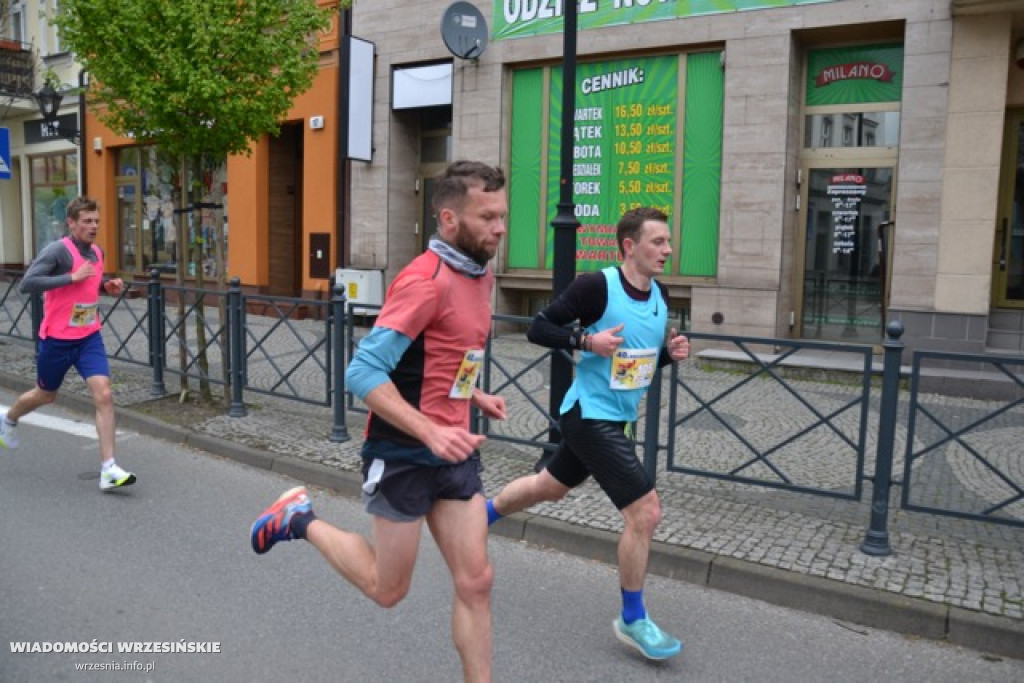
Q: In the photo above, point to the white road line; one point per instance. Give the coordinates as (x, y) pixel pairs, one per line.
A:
(59, 424)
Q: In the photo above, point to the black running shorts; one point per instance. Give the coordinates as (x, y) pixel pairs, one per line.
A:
(405, 492)
(599, 448)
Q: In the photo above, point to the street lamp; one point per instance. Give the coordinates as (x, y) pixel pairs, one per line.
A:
(49, 98)
(564, 223)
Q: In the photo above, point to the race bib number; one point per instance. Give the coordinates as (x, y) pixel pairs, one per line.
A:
(633, 368)
(83, 315)
(465, 378)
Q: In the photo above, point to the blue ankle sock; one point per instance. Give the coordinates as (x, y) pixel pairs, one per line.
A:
(492, 514)
(633, 606)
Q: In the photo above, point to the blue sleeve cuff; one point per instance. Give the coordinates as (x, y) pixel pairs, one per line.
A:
(377, 356)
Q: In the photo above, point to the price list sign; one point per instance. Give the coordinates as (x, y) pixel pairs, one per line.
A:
(630, 148)
(625, 139)
(846, 191)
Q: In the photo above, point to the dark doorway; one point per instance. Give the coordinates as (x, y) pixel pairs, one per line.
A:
(285, 212)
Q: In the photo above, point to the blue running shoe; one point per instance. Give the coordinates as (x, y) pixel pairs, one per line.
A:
(645, 636)
(275, 523)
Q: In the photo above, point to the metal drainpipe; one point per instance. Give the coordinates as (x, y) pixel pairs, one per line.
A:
(82, 174)
(341, 159)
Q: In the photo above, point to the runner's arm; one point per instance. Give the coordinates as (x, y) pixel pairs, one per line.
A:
(584, 300)
(374, 361)
(49, 270)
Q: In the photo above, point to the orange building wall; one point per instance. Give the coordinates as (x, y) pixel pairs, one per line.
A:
(248, 225)
(319, 173)
(99, 165)
(248, 183)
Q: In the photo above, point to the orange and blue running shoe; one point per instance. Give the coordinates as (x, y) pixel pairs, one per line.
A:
(275, 523)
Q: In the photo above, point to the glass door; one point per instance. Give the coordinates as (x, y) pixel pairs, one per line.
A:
(847, 218)
(1008, 256)
(127, 226)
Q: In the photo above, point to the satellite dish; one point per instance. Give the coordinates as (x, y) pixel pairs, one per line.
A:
(464, 30)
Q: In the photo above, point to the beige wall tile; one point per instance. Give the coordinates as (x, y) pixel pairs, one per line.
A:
(919, 196)
(926, 69)
(928, 37)
(966, 247)
(924, 101)
(922, 132)
(978, 84)
(981, 35)
(913, 292)
(963, 293)
(745, 311)
(975, 140)
(922, 165)
(970, 194)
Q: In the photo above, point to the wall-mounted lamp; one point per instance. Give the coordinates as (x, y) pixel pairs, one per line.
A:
(97, 145)
(49, 100)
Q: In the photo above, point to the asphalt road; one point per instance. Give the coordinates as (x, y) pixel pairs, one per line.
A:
(167, 562)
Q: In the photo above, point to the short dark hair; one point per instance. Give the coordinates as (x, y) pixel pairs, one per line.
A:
(632, 224)
(80, 204)
(454, 184)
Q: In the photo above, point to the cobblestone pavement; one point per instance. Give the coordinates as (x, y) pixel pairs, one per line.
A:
(944, 560)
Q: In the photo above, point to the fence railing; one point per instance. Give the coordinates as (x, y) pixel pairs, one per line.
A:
(939, 443)
(819, 438)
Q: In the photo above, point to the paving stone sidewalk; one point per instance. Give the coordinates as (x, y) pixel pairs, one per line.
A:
(947, 578)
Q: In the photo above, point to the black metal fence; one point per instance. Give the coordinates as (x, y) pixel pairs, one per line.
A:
(827, 438)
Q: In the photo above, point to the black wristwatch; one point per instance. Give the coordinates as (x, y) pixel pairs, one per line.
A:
(576, 339)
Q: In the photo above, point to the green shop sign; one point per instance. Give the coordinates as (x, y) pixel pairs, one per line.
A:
(519, 18)
(854, 75)
(646, 131)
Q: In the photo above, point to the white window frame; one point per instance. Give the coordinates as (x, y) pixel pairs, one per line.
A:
(16, 21)
(57, 46)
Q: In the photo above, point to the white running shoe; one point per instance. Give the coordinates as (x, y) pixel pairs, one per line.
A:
(114, 477)
(8, 434)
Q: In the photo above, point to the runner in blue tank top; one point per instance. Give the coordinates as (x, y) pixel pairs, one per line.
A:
(623, 314)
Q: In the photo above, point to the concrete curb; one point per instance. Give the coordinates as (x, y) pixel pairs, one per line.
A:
(856, 604)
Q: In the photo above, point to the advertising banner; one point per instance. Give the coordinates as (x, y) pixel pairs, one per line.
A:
(520, 18)
(646, 132)
(854, 75)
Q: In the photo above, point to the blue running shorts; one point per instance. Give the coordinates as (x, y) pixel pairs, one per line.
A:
(57, 356)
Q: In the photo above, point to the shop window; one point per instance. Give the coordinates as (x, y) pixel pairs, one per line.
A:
(54, 184)
(860, 129)
(153, 201)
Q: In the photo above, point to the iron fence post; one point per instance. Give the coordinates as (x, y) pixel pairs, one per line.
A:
(652, 425)
(339, 432)
(876, 541)
(156, 335)
(236, 348)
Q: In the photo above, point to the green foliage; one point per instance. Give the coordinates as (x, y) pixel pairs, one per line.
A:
(197, 77)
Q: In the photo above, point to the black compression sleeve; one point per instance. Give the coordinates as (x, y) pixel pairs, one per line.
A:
(584, 300)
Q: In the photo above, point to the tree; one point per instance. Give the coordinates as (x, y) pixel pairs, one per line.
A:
(200, 78)
(195, 76)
